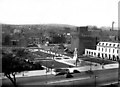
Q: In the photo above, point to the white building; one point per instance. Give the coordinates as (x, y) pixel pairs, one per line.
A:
(105, 50)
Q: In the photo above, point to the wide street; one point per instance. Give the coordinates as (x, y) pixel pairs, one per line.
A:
(98, 78)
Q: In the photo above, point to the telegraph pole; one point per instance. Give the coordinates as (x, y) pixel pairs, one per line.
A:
(119, 73)
(119, 43)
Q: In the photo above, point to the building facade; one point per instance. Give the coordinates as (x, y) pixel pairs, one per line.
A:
(83, 39)
(105, 50)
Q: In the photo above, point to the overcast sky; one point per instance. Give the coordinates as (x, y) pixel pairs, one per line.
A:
(73, 12)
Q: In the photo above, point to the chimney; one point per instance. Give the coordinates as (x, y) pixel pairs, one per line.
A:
(113, 25)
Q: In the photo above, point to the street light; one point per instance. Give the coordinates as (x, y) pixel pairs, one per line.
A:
(52, 66)
(46, 71)
(91, 65)
(118, 73)
(103, 63)
(96, 81)
(119, 69)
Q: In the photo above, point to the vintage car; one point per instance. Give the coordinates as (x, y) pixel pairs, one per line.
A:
(60, 71)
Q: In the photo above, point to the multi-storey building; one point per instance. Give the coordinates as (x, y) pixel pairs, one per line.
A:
(105, 50)
(82, 39)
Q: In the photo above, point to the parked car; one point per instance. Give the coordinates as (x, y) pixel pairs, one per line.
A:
(60, 71)
(76, 71)
(69, 75)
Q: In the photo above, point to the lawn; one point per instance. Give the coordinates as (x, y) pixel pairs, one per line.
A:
(42, 54)
(98, 60)
(54, 64)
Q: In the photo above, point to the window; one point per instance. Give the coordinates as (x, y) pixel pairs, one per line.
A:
(118, 45)
(105, 55)
(102, 49)
(106, 44)
(117, 58)
(114, 45)
(117, 51)
(114, 57)
(109, 50)
(113, 50)
(98, 49)
(109, 44)
(98, 54)
(94, 53)
(102, 55)
(87, 52)
(109, 56)
(105, 49)
(103, 44)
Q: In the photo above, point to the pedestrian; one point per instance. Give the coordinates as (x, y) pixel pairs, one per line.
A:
(23, 74)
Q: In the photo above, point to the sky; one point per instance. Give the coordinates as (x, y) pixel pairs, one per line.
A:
(72, 12)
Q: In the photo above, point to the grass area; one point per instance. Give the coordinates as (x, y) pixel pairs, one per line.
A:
(83, 63)
(98, 60)
(42, 54)
(54, 64)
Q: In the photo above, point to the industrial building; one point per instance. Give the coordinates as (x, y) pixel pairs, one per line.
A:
(83, 39)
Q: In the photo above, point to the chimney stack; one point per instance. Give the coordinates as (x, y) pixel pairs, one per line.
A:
(113, 25)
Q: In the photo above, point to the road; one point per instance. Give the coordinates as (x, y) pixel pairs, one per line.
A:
(84, 79)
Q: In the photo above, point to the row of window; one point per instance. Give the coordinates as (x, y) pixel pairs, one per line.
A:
(113, 57)
(102, 55)
(109, 44)
(108, 50)
(91, 53)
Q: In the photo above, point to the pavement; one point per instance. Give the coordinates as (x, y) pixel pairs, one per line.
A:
(29, 74)
(43, 72)
(68, 80)
(84, 78)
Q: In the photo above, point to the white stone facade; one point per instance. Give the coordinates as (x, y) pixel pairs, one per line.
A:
(105, 50)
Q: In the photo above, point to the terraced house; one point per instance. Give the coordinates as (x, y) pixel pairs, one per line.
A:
(105, 50)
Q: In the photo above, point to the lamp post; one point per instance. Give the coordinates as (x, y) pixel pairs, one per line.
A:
(103, 63)
(91, 65)
(95, 81)
(52, 66)
(46, 71)
(119, 68)
(118, 73)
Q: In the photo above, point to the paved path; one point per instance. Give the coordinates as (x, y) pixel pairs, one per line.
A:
(109, 76)
(68, 80)
(30, 73)
(61, 61)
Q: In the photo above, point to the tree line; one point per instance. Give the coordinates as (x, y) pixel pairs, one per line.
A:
(15, 62)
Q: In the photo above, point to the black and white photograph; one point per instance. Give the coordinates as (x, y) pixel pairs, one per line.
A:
(59, 43)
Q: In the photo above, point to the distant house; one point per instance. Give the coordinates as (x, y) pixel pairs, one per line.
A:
(16, 31)
(17, 40)
(105, 50)
(34, 40)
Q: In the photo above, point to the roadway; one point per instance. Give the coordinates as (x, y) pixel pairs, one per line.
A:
(98, 78)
